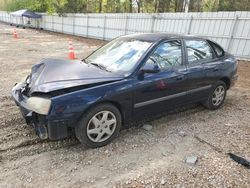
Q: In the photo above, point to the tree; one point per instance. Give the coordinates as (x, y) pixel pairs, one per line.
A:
(150, 6)
(243, 5)
(179, 5)
(195, 6)
(100, 6)
(138, 3)
(130, 6)
(164, 6)
(186, 5)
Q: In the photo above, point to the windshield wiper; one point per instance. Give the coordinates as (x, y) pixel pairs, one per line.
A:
(84, 61)
(100, 66)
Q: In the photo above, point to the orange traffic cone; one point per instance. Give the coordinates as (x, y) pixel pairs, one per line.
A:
(15, 34)
(71, 51)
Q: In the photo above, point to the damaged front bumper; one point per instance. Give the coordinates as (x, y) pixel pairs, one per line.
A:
(45, 127)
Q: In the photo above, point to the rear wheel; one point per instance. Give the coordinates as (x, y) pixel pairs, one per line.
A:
(99, 126)
(217, 96)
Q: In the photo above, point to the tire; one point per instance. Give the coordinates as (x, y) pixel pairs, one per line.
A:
(99, 126)
(211, 103)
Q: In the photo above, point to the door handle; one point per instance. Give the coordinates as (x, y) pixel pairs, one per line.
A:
(180, 77)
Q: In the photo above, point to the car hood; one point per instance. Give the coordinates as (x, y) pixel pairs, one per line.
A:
(55, 74)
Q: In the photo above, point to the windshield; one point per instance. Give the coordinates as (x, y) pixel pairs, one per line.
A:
(120, 55)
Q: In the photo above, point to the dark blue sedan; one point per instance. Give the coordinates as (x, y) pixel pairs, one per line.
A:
(129, 78)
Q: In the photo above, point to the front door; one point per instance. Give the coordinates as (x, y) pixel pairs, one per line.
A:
(157, 92)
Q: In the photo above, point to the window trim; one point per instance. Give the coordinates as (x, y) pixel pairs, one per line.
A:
(199, 61)
(164, 41)
(212, 44)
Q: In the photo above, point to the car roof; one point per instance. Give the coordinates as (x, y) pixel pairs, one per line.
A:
(155, 37)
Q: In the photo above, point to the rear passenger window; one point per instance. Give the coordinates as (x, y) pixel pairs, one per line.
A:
(217, 49)
(198, 50)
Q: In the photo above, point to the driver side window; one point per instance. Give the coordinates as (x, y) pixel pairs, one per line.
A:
(167, 55)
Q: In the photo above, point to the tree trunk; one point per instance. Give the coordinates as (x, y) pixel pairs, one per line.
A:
(138, 6)
(163, 5)
(186, 6)
(156, 6)
(130, 6)
(142, 7)
(176, 4)
(192, 6)
(200, 6)
(179, 5)
(100, 6)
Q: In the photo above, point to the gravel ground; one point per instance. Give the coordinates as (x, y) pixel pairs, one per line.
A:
(137, 158)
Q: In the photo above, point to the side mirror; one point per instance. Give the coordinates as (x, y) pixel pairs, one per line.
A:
(150, 71)
(150, 67)
(144, 71)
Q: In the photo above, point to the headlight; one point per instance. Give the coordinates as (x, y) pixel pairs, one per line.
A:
(39, 105)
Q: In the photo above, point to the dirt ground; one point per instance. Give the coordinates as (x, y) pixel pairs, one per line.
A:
(137, 158)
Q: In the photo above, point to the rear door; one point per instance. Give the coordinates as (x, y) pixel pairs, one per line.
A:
(198, 53)
(213, 68)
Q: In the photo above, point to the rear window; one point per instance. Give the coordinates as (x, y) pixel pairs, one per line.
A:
(217, 49)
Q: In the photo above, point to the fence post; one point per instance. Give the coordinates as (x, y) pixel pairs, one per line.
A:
(62, 24)
(73, 24)
(104, 27)
(153, 23)
(232, 32)
(53, 29)
(190, 24)
(126, 24)
(87, 26)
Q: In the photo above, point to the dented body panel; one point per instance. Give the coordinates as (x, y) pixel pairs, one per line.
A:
(55, 74)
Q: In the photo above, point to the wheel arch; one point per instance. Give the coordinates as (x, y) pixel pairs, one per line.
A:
(114, 103)
(227, 81)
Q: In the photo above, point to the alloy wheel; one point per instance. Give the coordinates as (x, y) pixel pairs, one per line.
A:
(218, 95)
(101, 126)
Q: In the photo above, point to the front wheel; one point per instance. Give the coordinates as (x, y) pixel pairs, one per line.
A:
(99, 126)
(217, 96)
